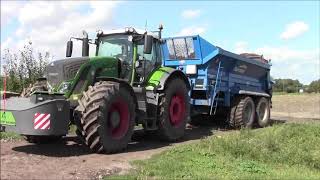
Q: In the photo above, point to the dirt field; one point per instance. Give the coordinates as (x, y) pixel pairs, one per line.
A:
(70, 160)
(305, 106)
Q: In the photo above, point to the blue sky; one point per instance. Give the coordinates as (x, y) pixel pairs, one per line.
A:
(286, 32)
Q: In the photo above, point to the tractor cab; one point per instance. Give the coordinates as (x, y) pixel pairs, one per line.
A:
(138, 52)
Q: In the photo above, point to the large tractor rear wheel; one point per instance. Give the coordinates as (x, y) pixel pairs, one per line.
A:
(107, 117)
(242, 112)
(174, 110)
(263, 112)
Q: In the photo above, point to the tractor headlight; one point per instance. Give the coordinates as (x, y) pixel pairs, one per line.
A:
(129, 29)
(191, 69)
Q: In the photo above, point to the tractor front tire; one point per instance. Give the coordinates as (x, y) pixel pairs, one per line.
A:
(242, 113)
(263, 112)
(107, 117)
(174, 111)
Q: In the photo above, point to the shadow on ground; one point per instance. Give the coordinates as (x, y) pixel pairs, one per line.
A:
(141, 141)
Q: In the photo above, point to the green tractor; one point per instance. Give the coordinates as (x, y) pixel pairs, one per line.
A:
(106, 95)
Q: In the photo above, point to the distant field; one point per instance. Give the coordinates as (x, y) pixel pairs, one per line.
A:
(296, 106)
(287, 151)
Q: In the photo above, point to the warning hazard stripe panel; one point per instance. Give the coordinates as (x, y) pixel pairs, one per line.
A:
(41, 121)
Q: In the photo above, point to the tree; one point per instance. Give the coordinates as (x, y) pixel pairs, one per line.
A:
(314, 86)
(287, 85)
(22, 68)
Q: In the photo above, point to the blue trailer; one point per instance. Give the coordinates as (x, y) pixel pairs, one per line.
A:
(222, 80)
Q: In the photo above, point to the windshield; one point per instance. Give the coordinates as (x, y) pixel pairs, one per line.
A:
(116, 46)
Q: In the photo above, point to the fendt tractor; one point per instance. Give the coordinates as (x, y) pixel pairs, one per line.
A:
(139, 78)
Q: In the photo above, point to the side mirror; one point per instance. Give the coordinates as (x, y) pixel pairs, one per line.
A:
(69, 48)
(147, 44)
(85, 44)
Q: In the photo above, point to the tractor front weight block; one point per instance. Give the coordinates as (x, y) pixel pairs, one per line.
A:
(41, 115)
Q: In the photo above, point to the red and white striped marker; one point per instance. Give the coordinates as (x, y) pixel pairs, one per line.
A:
(41, 121)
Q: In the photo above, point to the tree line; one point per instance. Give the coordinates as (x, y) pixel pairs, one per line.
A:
(294, 86)
(22, 68)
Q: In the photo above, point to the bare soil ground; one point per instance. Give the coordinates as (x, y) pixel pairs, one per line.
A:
(68, 159)
(306, 106)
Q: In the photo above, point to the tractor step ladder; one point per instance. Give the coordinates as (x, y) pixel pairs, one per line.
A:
(215, 91)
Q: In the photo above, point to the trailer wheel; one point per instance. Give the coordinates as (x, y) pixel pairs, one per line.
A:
(174, 110)
(42, 139)
(108, 117)
(263, 112)
(242, 113)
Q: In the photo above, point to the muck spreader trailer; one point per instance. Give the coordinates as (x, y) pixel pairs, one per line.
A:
(138, 77)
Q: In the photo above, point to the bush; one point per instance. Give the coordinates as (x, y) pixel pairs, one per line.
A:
(22, 68)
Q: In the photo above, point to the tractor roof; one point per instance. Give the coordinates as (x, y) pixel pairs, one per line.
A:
(130, 30)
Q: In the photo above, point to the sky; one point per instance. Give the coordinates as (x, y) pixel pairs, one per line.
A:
(287, 32)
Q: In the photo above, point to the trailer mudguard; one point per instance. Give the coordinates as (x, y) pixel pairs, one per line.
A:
(40, 114)
(160, 76)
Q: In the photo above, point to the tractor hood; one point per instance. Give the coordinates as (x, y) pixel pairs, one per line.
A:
(63, 70)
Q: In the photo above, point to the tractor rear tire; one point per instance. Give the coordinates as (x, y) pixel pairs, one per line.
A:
(174, 111)
(107, 117)
(242, 113)
(263, 112)
(42, 139)
(37, 86)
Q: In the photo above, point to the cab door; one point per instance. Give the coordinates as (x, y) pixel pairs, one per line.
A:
(146, 63)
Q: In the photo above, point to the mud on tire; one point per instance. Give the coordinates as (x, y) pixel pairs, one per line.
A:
(107, 117)
(242, 112)
(174, 111)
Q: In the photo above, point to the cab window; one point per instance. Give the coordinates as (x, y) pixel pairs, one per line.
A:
(149, 57)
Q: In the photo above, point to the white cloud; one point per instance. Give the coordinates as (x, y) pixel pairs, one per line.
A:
(49, 25)
(192, 30)
(20, 31)
(303, 65)
(294, 30)
(9, 10)
(190, 14)
(285, 54)
(241, 47)
(6, 44)
(293, 63)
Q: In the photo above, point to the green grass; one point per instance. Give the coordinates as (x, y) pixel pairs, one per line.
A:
(289, 151)
(10, 136)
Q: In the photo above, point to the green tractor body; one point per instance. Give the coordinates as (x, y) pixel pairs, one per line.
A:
(105, 96)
